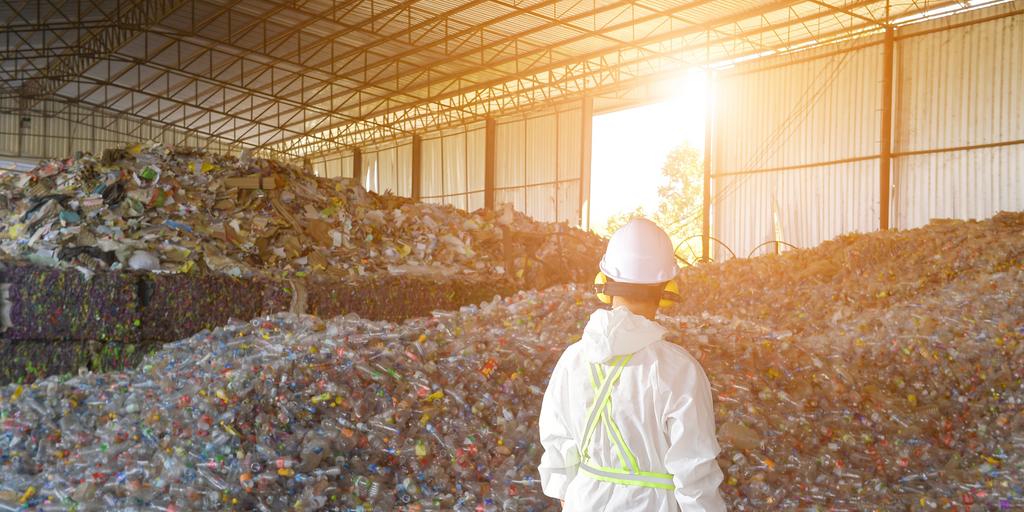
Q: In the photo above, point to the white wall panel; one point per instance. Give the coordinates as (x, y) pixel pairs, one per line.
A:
(348, 166)
(431, 185)
(570, 141)
(804, 113)
(369, 173)
(476, 201)
(542, 167)
(510, 164)
(958, 88)
(973, 184)
(569, 202)
(333, 168)
(957, 83)
(811, 205)
(387, 169)
(404, 171)
(476, 149)
(542, 149)
(453, 158)
(540, 202)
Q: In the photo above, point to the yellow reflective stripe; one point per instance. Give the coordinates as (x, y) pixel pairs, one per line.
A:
(622, 442)
(617, 436)
(644, 479)
(595, 410)
(619, 447)
(625, 456)
(601, 410)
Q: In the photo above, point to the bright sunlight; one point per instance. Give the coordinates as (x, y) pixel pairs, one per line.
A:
(630, 147)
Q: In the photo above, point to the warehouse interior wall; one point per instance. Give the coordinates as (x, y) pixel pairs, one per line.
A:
(778, 125)
(53, 129)
(797, 137)
(540, 165)
(959, 118)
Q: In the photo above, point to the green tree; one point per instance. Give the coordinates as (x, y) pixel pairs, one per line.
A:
(679, 210)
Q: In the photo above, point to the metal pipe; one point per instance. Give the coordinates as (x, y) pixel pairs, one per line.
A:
(586, 150)
(490, 134)
(706, 211)
(794, 167)
(417, 167)
(885, 160)
(357, 165)
(960, 148)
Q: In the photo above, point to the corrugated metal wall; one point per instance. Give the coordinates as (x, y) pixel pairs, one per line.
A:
(452, 167)
(796, 137)
(959, 88)
(538, 164)
(794, 118)
(385, 167)
(57, 130)
(537, 168)
(333, 166)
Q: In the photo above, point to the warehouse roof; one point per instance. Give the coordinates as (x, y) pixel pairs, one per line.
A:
(313, 76)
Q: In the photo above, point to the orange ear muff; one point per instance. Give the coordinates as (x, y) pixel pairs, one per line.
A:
(670, 296)
(600, 281)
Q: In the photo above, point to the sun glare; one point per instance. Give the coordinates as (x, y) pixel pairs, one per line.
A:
(630, 146)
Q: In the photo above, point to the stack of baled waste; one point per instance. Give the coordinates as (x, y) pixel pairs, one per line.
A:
(910, 401)
(156, 207)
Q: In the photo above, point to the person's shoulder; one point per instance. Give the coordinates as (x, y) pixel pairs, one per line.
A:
(570, 355)
(670, 352)
(675, 368)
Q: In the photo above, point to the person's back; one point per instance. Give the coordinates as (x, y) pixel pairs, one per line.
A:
(627, 421)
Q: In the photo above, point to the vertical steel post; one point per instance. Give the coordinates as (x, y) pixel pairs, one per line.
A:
(587, 136)
(885, 159)
(705, 240)
(417, 167)
(357, 165)
(490, 132)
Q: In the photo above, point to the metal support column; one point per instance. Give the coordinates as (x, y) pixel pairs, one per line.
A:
(357, 165)
(885, 161)
(705, 239)
(490, 132)
(586, 147)
(417, 167)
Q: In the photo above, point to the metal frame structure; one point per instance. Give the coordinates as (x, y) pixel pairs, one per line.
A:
(296, 78)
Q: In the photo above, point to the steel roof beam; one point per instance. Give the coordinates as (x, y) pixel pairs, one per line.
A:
(658, 38)
(494, 84)
(260, 68)
(143, 13)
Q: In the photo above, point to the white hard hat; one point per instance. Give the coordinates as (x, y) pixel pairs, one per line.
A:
(640, 253)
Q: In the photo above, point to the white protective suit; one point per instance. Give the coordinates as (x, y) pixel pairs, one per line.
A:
(662, 406)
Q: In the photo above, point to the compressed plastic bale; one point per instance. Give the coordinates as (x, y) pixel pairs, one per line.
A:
(52, 305)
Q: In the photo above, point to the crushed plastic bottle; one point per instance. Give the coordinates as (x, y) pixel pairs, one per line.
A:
(294, 413)
(911, 403)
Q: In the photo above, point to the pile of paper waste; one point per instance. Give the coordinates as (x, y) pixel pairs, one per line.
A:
(160, 208)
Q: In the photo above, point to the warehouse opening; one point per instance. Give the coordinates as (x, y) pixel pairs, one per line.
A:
(647, 162)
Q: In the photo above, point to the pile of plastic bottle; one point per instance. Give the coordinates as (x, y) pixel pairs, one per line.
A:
(907, 403)
(294, 413)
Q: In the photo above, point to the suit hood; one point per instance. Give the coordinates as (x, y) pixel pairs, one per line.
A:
(617, 332)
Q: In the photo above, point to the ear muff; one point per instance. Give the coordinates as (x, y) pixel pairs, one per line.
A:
(670, 296)
(600, 281)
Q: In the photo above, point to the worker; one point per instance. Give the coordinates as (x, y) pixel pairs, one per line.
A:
(627, 420)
